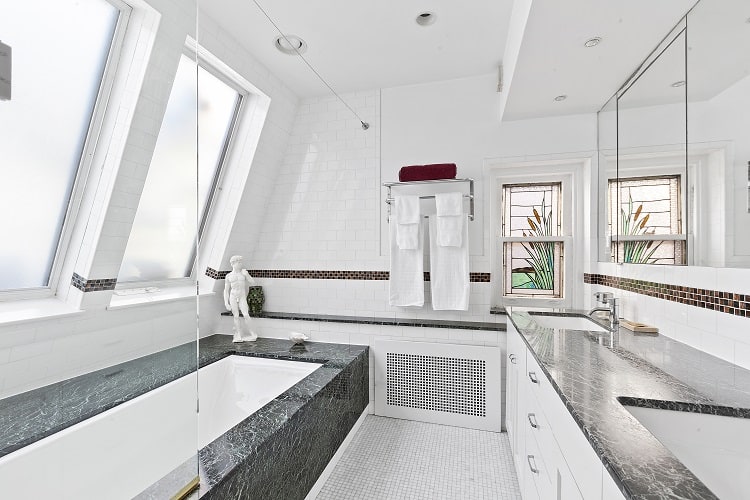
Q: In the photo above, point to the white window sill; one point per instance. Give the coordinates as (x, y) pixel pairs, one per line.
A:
(135, 297)
(24, 311)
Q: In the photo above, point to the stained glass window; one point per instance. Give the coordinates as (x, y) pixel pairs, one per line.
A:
(645, 220)
(532, 240)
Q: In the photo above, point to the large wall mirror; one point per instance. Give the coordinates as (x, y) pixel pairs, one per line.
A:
(674, 145)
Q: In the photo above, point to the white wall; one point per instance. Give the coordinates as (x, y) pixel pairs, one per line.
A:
(88, 334)
(327, 211)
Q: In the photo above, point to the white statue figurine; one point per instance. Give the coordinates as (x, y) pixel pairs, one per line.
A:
(237, 285)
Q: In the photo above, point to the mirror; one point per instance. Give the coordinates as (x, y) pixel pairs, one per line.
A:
(674, 184)
(643, 179)
(718, 101)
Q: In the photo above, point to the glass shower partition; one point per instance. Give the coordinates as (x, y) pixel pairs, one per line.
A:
(100, 213)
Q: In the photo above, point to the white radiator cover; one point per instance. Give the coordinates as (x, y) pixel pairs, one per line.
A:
(451, 384)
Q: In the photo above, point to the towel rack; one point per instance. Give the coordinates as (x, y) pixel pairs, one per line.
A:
(470, 196)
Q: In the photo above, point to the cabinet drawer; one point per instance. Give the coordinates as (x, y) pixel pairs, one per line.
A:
(537, 468)
(578, 455)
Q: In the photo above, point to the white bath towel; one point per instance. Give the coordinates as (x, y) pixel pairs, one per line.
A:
(449, 270)
(407, 221)
(406, 282)
(449, 210)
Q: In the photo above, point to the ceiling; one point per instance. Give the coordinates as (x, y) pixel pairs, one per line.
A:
(359, 45)
(554, 61)
(366, 45)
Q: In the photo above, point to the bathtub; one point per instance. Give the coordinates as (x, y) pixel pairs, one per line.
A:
(99, 457)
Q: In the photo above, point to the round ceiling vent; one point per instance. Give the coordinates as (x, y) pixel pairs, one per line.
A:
(426, 18)
(290, 44)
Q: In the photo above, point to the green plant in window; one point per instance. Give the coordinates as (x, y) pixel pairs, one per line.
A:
(637, 252)
(541, 271)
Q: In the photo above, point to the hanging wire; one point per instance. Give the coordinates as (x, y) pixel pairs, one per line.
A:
(365, 125)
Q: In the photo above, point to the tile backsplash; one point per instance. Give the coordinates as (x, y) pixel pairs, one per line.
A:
(707, 308)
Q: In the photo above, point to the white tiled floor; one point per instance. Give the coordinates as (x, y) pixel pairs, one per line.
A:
(390, 459)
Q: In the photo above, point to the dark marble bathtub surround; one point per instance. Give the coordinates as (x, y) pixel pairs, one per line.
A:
(281, 450)
(726, 302)
(596, 373)
(330, 275)
(371, 320)
(95, 285)
(33, 415)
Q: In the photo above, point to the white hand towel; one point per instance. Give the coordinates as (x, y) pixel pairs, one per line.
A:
(406, 220)
(449, 270)
(406, 282)
(449, 207)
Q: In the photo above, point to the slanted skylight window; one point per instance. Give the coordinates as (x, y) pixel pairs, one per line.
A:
(162, 241)
(60, 50)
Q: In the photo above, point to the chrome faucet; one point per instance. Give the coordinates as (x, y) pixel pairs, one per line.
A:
(612, 307)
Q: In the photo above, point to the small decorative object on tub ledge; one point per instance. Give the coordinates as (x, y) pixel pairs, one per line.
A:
(236, 289)
(298, 338)
(255, 299)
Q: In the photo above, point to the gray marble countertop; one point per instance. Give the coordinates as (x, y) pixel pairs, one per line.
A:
(594, 374)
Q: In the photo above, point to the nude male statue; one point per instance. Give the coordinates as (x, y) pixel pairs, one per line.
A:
(237, 284)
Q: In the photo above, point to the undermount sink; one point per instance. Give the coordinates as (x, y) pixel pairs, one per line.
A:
(566, 322)
(715, 448)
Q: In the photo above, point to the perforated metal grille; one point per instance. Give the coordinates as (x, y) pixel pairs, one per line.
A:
(436, 383)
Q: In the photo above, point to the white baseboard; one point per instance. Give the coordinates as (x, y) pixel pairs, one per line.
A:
(313, 493)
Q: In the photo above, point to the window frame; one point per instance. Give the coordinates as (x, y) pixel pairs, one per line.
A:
(571, 170)
(198, 55)
(638, 163)
(533, 239)
(84, 170)
(614, 219)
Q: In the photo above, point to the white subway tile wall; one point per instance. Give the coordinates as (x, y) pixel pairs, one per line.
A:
(723, 335)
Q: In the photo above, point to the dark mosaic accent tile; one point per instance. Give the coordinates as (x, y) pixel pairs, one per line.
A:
(364, 320)
(715, 300)
(95, 285)
(331, 275)
(217, 275)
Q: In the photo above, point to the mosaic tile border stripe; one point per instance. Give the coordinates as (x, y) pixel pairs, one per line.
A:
(715, 300)
(330, 275)
(98, 285)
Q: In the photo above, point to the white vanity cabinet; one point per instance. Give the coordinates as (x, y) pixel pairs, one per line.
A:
(553, 458)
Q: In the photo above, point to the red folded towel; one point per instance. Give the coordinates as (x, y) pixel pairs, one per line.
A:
(430, 172)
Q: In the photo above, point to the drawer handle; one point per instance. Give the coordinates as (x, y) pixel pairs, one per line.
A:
(512, 358)
(533, 421)
(532, 464)
(532, 377)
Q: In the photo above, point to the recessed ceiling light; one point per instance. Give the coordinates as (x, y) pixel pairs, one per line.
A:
(290, 44)
(426, 18)
(592, 42)
(561, 98)
(680, 83)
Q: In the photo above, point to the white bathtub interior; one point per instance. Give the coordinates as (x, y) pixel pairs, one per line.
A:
(714, 447)
(122, 451)
(237, 386)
